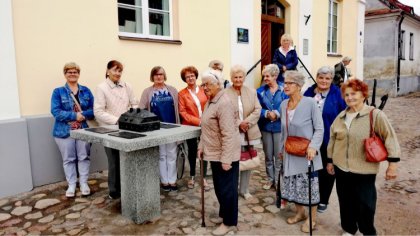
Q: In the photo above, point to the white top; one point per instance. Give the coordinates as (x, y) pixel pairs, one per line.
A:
(196, 100)
(291, 113)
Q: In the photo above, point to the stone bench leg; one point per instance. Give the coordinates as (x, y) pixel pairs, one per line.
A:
(140, 189)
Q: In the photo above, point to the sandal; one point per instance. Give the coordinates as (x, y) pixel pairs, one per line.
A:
(206, 186)
(305, 226)
(296, 218)
(191, 183)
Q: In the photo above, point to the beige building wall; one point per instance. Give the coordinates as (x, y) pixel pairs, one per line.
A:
(347, 34)
(49, 33)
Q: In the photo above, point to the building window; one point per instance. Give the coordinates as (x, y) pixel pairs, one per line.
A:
(332, 26)
(402, 45)
(145, 18)
(411, 47)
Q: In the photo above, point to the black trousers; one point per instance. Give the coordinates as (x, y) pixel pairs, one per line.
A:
(114, 182)
(357, 199)
(192, 156)
(226, 189)
(326, 181)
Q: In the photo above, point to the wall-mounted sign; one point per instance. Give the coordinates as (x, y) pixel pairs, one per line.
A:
(243, 35)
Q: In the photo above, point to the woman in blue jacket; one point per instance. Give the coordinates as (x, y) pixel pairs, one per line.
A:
(285, 57)
(270, 97)
(71, 106)
(329, 100)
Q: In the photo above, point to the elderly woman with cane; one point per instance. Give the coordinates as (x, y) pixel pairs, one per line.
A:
(220, 144)
(301, 122)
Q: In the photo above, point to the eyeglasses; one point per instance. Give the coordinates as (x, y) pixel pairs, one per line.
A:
(72, 72)
(160, 74)
(289, 83)
(206, 85)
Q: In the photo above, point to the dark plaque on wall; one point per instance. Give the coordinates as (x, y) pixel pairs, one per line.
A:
(243, 35)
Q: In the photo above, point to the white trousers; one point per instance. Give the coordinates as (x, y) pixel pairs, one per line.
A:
(74, 152)
(167, 163)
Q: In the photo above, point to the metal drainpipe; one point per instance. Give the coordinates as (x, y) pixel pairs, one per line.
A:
(399, 52)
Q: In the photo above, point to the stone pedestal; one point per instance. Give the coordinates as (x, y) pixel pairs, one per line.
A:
(139, 160)
(140, 184)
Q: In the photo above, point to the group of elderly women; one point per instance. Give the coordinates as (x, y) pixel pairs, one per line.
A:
(236, 118)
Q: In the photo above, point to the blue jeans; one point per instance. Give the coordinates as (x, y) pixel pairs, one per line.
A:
(74, 151)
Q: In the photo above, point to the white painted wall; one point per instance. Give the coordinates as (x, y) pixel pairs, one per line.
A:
(242, 16)
(9, 95)
(305, 32)
(360, 38)
(411, 67)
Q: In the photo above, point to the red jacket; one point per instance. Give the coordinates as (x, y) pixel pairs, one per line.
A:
(187, 109)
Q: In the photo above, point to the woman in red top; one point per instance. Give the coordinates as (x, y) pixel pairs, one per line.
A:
(191, 101)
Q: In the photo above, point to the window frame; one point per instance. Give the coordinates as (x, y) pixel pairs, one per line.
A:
(331, 27)
(145, 21)
(402, 45)
(411, 52)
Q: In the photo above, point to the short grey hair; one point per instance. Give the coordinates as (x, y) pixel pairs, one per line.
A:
(324, 70)
(346, 58)
(236, 69)
(216, 65)
(295, 76)
(271, 69)
(214, 75)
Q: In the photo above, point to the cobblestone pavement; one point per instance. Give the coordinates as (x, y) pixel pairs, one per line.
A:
(46, 210)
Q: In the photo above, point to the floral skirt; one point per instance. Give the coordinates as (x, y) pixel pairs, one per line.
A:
(295, 189)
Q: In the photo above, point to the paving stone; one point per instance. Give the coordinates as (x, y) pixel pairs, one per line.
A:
(57, 222)
(57, 230)
(121, 221)
(72, 216)
(35, 215)
(11, 222)
(273, 209)
(74, 231)
(183, 224)
(21, 233)
(173, 231)
(244, 209)
(7, 208)
(4, 216)
(37, 228)
(254, 200)
(244, 227)
(3, 202)
(103, 185)
(44, 203)
(269, 200)
(79, 207)
(18, 211)
(92, 182)
(27, 225)
(9, 230)
(258, 209)
(47, 219)
(39, 196)
(98, 200)
(85, 200)
(187, 230)
(57, 208)
(18, 203)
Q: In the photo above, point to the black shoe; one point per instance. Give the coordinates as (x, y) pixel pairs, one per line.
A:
(166, 188)
(173, 188)
(114, 195)
(322, 207)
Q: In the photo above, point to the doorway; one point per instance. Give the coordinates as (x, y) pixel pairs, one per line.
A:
(272, 28)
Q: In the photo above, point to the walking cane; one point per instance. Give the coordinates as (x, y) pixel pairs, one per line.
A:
(310, 205)
(203, 224)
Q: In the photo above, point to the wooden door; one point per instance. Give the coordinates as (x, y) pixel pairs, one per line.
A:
(266, 52)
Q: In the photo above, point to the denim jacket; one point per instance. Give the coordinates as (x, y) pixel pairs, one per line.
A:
(62, 109)
(270, 103)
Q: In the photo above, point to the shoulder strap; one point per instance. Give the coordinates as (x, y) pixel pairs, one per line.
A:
(76, 102)
(372, 131)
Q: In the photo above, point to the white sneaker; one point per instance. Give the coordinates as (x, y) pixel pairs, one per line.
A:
(84, 188)
(71, 190)
(247, 196)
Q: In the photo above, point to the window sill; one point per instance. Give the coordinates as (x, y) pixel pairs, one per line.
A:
(334, 55)
(178, 42)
